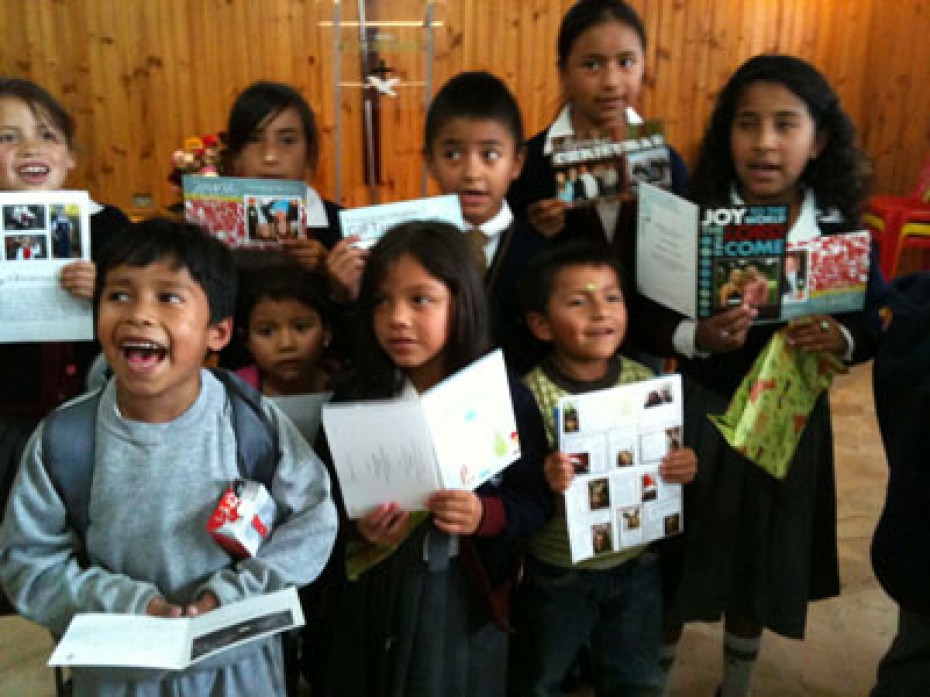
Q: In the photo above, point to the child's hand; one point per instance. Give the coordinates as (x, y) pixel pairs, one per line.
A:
(385, 526)
(456, 511)
(159, 607)
(560, 471)
(78, 278)
(726, 331)
(344, 266)
(547, 216)
(310, 254)
(206, 602)
(817, 333)
(679, 466)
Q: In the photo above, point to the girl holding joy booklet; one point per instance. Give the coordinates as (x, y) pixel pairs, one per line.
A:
(758, 550)
(416, 602)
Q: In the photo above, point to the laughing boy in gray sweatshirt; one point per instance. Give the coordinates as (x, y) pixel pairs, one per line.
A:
(165, 451)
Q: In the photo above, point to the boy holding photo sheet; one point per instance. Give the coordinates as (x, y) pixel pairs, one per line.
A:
(574, 301)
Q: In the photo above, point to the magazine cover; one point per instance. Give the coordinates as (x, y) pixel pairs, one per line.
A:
(589, 170)
(253, 213)
(616, 439)
(740, 259)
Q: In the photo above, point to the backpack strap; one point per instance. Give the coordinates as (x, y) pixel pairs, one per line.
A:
(68, 438)
(257, 448)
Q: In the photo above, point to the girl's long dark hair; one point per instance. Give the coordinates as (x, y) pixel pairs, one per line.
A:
(837, 175)
(445, 253)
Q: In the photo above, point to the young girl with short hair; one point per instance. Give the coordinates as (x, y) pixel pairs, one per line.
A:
(423, 316)
(758, 550)
(283, 322)
(601, 59)
(36, 154)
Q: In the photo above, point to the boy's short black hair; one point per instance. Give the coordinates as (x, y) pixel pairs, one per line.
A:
(185, 246)
(473, 95)
(41, 103)
(539, 276)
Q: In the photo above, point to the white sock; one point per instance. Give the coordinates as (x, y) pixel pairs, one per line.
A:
(668, 653)
(739, 658)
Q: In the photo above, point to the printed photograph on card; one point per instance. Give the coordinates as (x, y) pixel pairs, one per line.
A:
(66, 232)
(588, 170)
(22, 217)
(647, 156)
(631, 526)
(598, 494)
(794, 285)
(25, 247)
(602, 538)
(581, 462)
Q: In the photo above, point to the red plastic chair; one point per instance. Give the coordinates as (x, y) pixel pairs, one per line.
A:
(898, 221)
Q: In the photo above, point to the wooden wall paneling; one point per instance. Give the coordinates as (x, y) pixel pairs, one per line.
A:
(140, 76)
(321, 66)
(887, 57)
(902, 103)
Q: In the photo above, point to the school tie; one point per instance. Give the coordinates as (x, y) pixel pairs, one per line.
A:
(478, 240)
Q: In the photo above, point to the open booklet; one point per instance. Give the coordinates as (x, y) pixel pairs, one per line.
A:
(252, 213)
(616, 439)
(456, 435)
(371, 222)
(701, 261)
(42, 232)
(141, 641)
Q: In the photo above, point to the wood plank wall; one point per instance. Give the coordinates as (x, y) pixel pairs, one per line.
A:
(140, 75)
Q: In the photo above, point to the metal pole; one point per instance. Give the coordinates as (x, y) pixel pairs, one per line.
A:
(427, 90)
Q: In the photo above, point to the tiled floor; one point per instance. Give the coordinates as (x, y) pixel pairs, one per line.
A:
(846, 635)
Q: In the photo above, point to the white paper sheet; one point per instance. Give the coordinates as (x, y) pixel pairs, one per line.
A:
(33, 305)
(97, 639)
(617, 437)
(667, 249)
(371, 222)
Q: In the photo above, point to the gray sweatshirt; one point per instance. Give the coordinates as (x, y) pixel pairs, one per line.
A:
(154, 488)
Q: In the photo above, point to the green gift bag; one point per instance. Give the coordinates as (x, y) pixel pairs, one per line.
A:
(771, 406)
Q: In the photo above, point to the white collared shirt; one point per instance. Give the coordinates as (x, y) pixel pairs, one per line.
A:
(492, 229)
(608, 211)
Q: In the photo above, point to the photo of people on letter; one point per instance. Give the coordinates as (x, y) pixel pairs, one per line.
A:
(617, 437)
